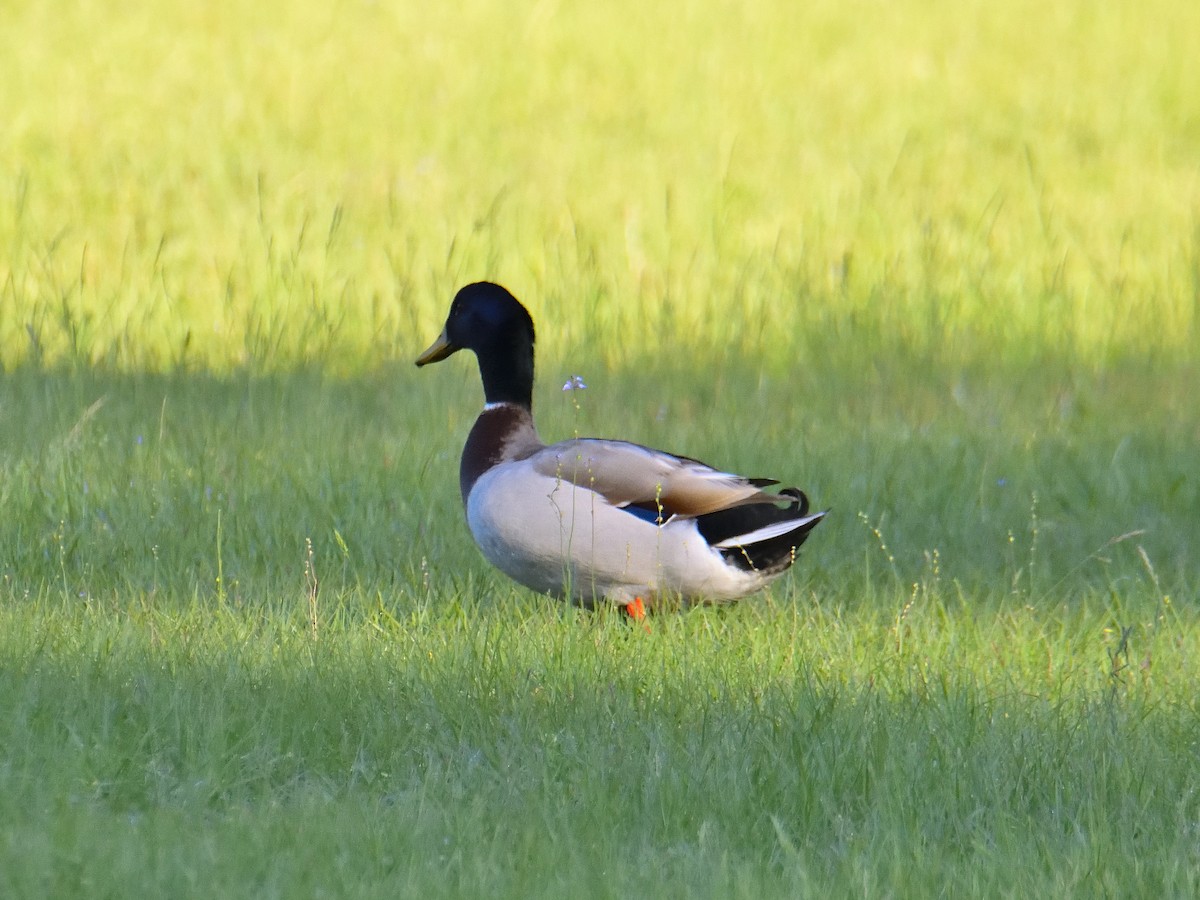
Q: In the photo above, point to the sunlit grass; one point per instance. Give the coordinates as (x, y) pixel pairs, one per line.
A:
(229, 186)
(940, 269)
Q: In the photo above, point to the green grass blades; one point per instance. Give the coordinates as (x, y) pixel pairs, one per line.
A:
(245, 652)
(515, 748)
(940, 269)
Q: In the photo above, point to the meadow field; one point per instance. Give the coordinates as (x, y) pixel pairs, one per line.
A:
(940, 267)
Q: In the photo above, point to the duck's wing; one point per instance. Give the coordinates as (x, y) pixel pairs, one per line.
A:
(629, 475)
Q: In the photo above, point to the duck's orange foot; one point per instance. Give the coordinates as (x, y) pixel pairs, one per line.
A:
(635, 611)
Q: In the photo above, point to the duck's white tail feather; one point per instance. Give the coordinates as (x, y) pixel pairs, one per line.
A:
(767, 532)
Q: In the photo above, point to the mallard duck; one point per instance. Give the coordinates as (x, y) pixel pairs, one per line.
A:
(598, 520)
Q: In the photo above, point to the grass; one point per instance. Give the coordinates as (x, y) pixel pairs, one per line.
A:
(520, 750)
(941, 271)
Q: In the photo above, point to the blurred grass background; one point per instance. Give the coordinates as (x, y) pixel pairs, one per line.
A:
(230, 186)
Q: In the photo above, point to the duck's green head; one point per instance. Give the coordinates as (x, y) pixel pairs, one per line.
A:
(488, 320)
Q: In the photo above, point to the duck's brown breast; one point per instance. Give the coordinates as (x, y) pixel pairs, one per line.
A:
(502, 433)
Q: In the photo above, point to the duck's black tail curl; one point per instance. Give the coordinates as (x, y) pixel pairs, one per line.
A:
(758, 537)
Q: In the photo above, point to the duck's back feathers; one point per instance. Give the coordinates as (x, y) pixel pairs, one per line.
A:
(630, 475)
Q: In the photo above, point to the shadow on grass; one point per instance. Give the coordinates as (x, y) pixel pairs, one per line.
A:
(191, 484)
(494, 750)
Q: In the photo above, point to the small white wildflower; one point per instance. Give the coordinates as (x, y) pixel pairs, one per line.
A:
(575, 383)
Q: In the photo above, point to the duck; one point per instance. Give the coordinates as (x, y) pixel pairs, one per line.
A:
(600, 521)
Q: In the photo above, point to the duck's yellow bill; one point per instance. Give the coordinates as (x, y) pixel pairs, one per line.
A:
(438, 350)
